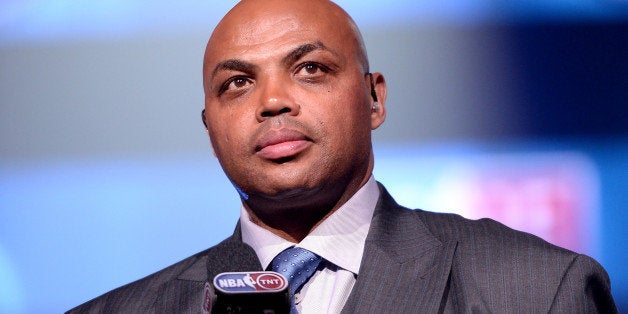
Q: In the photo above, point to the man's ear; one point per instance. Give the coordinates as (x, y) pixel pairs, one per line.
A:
(378, 99)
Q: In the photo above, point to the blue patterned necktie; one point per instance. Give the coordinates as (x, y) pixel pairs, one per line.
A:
(297, 265)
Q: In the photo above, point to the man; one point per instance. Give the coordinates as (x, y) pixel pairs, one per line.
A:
(290, 104)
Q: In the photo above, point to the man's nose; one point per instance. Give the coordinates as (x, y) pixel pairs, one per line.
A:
(276, 99)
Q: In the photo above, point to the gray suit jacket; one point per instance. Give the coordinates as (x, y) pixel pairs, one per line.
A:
(414, 262)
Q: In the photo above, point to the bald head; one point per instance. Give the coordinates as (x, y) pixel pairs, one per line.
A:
(289, 109)
(251, 23)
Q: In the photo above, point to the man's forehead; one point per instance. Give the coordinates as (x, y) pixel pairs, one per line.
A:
(274, 39)
(254, 33)
(258, 30)
(258, 21)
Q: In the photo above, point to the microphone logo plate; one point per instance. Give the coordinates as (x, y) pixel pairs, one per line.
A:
(250, 282)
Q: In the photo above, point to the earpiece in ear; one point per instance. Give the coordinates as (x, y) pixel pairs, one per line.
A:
(375, 107)
(373, 93)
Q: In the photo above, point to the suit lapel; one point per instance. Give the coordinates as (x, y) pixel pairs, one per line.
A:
(404, 267)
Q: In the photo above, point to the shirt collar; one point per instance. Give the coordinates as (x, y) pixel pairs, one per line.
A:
(339, 238)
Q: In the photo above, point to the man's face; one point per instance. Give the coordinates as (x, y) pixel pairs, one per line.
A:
(287, 104)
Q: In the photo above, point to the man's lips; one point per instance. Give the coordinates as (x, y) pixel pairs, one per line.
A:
(282, 143)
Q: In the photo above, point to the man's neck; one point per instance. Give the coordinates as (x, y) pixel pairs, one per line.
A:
(291, 224)
(295, 217)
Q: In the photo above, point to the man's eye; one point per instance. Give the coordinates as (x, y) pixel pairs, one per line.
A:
(236, 83)
(311, 69)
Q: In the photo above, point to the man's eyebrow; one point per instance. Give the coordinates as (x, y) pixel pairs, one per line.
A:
(304, 49)
(234, 65)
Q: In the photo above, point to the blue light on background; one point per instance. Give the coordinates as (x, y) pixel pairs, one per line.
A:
(27, 20)
(106, 221)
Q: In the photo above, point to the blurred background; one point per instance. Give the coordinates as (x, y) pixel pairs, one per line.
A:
(515, 110)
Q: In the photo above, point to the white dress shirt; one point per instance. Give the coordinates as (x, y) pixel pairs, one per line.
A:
(339, 240)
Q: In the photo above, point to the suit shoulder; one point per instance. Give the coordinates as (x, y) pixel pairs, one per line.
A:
(485, 233)
(494, 259)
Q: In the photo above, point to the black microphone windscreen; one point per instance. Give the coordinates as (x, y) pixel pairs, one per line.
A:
(233, 256)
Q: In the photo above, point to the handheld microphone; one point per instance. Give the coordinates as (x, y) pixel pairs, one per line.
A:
(236, 283)
(247, 292)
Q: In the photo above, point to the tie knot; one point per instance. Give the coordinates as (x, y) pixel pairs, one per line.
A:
(297, 265)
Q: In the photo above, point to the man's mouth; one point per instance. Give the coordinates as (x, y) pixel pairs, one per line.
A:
(281, 144)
